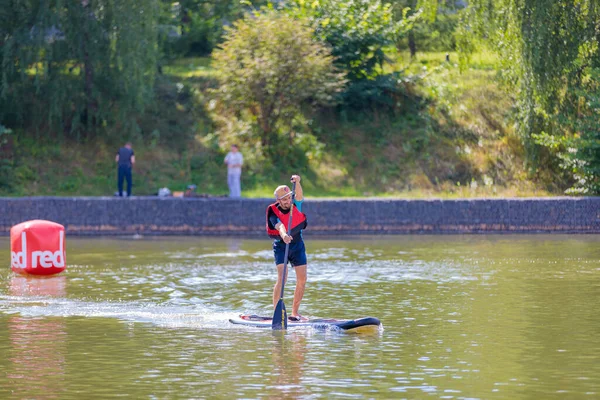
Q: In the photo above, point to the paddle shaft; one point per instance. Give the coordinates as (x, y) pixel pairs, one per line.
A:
(287, 245)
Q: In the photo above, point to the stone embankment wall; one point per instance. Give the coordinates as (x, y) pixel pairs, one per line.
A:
(246, 217)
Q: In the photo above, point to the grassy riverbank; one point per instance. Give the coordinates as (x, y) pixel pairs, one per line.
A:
(450, 137)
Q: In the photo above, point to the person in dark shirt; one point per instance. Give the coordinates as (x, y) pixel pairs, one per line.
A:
(297, 251)
(125, 159)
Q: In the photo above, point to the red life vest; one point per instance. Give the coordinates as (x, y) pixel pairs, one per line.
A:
(298, 221)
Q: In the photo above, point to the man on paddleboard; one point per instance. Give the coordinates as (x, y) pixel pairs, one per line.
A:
(278, 215)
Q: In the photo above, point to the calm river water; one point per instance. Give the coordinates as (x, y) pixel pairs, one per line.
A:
(478, 317)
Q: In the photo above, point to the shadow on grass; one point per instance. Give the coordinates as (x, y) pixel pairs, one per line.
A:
(413, 144)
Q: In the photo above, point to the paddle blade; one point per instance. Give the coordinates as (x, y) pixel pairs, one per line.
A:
(280, 317)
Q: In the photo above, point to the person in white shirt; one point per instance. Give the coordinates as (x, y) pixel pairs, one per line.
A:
(234, 161)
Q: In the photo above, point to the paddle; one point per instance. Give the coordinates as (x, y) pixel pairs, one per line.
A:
(280, 315)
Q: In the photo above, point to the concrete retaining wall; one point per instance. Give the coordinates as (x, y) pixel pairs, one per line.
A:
(223, 216)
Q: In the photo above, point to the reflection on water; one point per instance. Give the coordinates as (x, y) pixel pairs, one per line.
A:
(288, 362)
(484, 317)
(38, 347)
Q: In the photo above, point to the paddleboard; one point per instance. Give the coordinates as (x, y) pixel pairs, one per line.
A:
(321, 323)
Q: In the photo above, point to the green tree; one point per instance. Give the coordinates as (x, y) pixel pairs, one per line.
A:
(577, 145)
(197, 26)
(359, 32)
(362, 35)
(270, 67)
(434, 29)
(76, 64)
(550, 58)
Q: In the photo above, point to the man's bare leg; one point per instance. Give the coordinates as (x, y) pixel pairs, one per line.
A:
(277, 288)
(300, 285)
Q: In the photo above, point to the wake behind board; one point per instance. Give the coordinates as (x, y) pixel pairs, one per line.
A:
(321, 323)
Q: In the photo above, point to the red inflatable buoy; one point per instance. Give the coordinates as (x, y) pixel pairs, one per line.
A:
(38, 248)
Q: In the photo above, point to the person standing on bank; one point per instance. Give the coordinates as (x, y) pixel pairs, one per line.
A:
(234, 161)
(125, 159)
(277, 222)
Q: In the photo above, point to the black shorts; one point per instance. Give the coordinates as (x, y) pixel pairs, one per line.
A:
(296, 256)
